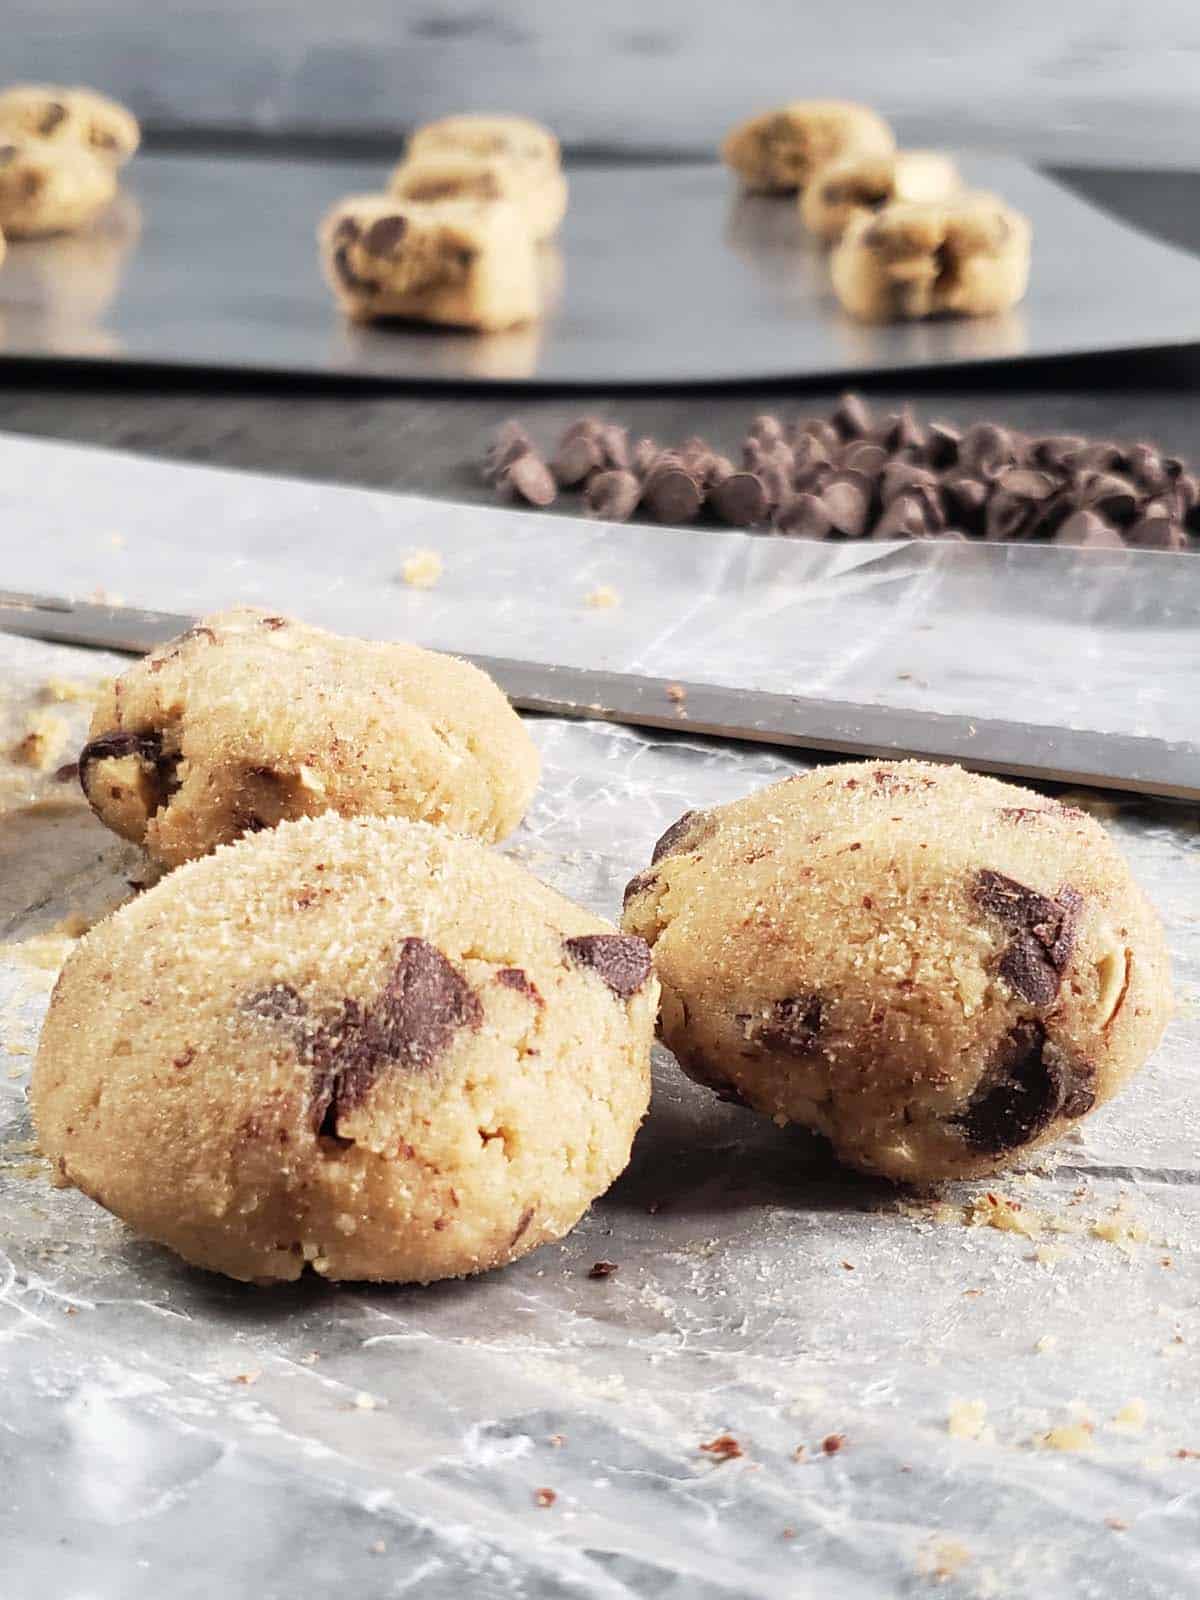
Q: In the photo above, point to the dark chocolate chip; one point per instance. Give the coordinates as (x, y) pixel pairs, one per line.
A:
(1020, 1095)
(847, 500)
(1148, 468)
(1156, 533)
(851, 417)
(280, 1003)
(740, 500)
(615, 442)
(1026, 482)
(941, 445)
(1042, 929)
(529, 478)
(613, 496)
(803, 517)
(68, 773)
(767, 428)
(602, 1269)
(383, 236)
(823, 432)
(719, 468)
(863, 456)
(53, 116)
(1113, 497)
(638, 884)
(1056, 451)
(671, 493)
(588, 425)
(346, 231)
(578, 457)
(1090, 529)
(1009, 516)
(620, 959)
(908, 517)
(904, 432)
(1099, 456)
(423, 1004)
(159, 767)
(503, 451)
(1081, 1091)
(899, 476)
(683, 836)
(352, 280)
(986, 449)
(645, 453)
(791, 1025)
(517, 979)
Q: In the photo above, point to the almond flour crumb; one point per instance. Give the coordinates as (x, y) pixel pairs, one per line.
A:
(677, 693)
(1046, 1344)
(942, 1559)
(1121, 1228)
(1131, 1418)
(1007, 1216)
(602, 597)
(544, 1497)
(247, 1377)
(422, 570)
(1067, 1437)
(967, 1419)
(44, 740)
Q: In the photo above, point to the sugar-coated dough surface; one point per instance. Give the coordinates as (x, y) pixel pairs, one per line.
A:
(50, 188)
(778, 152)
(935, 970)
(537, 189)
(367, 1046)
(250, 719)
(464, 263)
(487, 134)
(79, 117)
(968, 256)
(858, 184)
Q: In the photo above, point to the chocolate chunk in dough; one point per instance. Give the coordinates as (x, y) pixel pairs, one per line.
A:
(622, 960)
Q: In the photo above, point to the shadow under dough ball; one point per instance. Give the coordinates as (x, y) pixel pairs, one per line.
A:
(368, 1047)
(935, 970)
(250, 719)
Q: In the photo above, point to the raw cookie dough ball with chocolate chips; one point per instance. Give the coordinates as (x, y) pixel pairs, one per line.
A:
(935, 970)
(48, 188)
(856, 185)
(778, 152)
(250, 719)
(370, 1047)
(968, 256)
(79, 117)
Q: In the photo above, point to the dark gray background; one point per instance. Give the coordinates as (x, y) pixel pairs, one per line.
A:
(1060, 80)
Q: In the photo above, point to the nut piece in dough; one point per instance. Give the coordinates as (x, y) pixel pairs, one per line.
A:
(778, 152)
(250, 719)
(935, 970)
(966, 256)
(367, 1047)
(50, 188)
(856, 184)
(78, 117)
(537, 190)
(464, 263)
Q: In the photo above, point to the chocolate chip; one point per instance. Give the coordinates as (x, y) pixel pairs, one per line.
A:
(906, 475)
(719, 468)
(908, 517)
(1081, 1091)
(1111, 496)
(620, 959)
(602, 1269)
(1090, 529)
(1009, 516)
(902, 431)
(672, 494)
(102, 139)
(347, 231)
(517, 979)
(280, 1003)
(68, 773)
(529, 478)
(614, 441)
(1056, 450)
(823, 432)
(578, 457)
(593, 426)
(348, 275)
(1043, 933)
(1020, 1095)
(767, 428)
(423, 1004)
(683, 836)
(1100, 456)
(1156, 533)
(7, 153)
(847, 500)
(159, 768)
(986, 449)
(638, 884)
(851, 417)
(1026, 482)
(1146, 465)
(53, 116)
(740, 500)
(804, 517)
(941, 445)
(383, 236)
(613, 496)
(510, 442)
(864, 457)
(644, 454)
(790, 1025)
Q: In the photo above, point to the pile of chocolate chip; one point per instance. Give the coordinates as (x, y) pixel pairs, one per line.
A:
(851, 475)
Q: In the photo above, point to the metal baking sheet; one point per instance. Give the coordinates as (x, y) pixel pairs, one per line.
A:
(164, 1431)
(663, 274)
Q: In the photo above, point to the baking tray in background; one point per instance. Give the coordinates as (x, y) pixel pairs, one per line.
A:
(662, 275)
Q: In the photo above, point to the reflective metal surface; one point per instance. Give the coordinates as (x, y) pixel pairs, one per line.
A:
(662, 275)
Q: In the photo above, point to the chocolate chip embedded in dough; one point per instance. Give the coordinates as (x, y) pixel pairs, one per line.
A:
(7, 153)
(638, 884)
(518, 980)
(1019, 1097)
(1042, 933)
(791, 1025)
(52, 117)
(383, 236)
(348, 275)
(620, 959)
(684, 835)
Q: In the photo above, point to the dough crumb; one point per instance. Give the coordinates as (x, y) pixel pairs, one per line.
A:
(602, 597)
(544, 1497)
(1008, 1216)
(1131, 1418)
(1046, 1344)
(1068, 1437)
(943, 1559)
(967, 1419)
(44, 740)
(422, 570)
(65, 691)
(1121, 1228)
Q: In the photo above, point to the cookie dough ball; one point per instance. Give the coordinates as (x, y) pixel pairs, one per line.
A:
(779, 151)
(369, 1047)
(250, 719)
(967, 256)
(935, 970)
(538, 191)
(50, 188)
(856, 185)
(464, 263)
(77, 117)
(486, 135)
